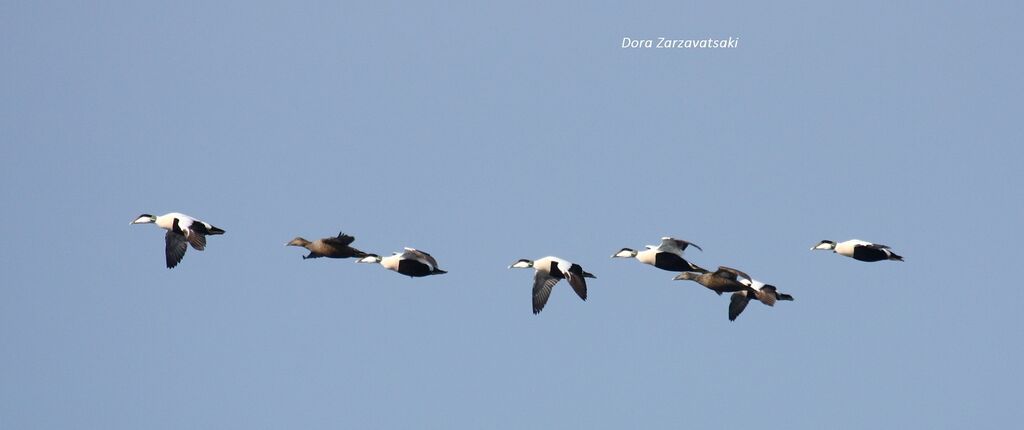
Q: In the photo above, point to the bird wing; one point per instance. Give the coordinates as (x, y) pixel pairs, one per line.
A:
(421, 256)
(342, 240)
(766, 294)
(737, 303)
(175, 248)
(578, 283)
(875, 246)
(542, 283)
(668, 242)
(730, 273)
(197, 239)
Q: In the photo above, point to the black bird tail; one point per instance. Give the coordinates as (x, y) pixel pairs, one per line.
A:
(893, 256)
(589, 275)
(215, 230)
(438, 272)
(781, 296)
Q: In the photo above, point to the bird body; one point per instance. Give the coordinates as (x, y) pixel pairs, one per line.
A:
(666, 256)
(330, 247)
(859, 250)
(411, 262)
(547, 272)
(723, 280)
(182, 230)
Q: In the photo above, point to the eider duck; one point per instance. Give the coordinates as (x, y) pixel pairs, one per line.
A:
(765, 293)
(330, 247)
(182, 230)
(411, 262)
(666, 256)
(859, 250)
(548, 271)
(723, 280)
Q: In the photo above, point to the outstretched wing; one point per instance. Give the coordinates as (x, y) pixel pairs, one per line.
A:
(767, 294)
(730, 273)
(197, 239)
(175, 248)
(737, 303)
(669, 242)
(422, 256)
(342, 240)
(576, 279)
(542, 283)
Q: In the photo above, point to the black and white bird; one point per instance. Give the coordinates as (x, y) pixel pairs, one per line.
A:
(859, 250)
(764, 293)
(666, 256)
(182, 230)
(548, 271)
(410, 262)
(330, 247)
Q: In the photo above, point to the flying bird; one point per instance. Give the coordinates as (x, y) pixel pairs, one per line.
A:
(723, 280)
(411, 262)
(182, 230)
(666, 256)
(330, 247)
(548, 271)
(859, 250)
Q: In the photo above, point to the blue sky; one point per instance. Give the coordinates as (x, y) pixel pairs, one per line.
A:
(487, 134)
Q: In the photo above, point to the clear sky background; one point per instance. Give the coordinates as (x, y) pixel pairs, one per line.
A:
(487, 134)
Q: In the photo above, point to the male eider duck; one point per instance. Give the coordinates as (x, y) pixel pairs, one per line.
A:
(182, 230)
(667, 256)
(548, 271)
(330, 247)
(859, 250)
(411, 262)
(765, 293)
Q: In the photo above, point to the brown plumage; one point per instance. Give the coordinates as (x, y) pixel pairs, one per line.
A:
(723, 280)
(331, 247)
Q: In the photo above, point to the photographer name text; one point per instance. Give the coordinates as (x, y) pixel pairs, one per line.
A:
(667, 43)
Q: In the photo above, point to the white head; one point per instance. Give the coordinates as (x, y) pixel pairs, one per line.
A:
(144, 219)
(625, 253)
(825, 245)
(370, 258)
(522, 264)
